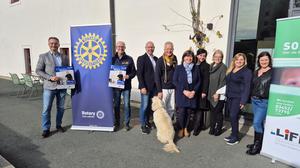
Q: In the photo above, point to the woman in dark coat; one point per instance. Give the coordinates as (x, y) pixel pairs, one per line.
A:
(217, 74)
(259, 98)
(238, 82)
(186, 79)
(203, 104)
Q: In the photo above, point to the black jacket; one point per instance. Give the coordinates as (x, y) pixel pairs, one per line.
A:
(126, 61)
(204, 73)
(163, 81)
(261, 85)
(145, 72)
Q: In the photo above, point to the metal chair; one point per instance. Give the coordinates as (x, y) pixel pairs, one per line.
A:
(68, 99)
(18, 83)
(37, 79)
(30, 84)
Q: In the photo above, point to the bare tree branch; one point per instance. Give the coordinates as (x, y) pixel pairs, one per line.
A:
(179, 24)
(180, 15)
(200, 36)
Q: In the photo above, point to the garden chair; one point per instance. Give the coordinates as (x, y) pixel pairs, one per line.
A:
(30, 84)
(68, 99)
(18, 83)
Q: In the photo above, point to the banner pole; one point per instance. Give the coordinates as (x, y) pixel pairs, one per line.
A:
(113, 23)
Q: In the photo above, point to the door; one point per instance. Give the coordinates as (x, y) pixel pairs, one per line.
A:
(27, 61)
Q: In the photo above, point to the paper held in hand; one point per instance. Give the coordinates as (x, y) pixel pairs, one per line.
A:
(117, 76)
(66, 77)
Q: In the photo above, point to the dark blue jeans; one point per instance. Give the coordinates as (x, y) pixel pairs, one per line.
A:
(127, 109)
(48, 97)
(233, 105)
(260, 107)
(145, 108)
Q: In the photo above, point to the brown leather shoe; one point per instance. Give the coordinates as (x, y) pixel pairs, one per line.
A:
(180, 133)
(186, 132)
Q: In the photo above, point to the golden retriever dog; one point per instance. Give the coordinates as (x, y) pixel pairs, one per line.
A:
(164, 127)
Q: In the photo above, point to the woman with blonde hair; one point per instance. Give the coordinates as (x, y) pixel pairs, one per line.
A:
(217, 75)
(238, 83)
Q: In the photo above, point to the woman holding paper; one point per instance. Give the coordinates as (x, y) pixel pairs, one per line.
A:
(216, 92)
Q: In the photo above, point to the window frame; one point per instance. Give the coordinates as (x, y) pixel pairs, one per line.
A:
(17, 2)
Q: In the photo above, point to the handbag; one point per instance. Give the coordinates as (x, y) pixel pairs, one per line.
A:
(203, 104)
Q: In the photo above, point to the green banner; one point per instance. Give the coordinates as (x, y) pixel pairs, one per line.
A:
(282, 129)
(283, 104)
(287, 43)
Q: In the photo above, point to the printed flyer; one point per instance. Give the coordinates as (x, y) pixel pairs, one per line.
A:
(66, 77)
(117, 76)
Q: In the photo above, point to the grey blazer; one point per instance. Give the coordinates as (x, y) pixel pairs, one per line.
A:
(45, 68)
(217, 79)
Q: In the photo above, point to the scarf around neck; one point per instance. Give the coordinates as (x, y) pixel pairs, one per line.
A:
(188, 68)
(213, 68)
(169, 60)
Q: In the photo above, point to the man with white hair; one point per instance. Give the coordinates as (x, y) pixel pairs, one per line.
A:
(145, 73)
(122, 59)
(164, 70)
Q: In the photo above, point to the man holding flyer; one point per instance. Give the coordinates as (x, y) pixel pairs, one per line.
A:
(46, 69)
(122, 59)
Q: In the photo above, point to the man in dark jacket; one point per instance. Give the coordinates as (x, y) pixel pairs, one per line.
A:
(122, 59)
(164, 70)
(145, 73)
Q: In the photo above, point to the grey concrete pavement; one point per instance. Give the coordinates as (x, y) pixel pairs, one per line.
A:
(22, 145)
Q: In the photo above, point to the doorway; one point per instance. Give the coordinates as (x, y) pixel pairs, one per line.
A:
(65, 54)
(27, 61)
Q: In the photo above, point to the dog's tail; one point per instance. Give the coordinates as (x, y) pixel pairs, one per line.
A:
(171, 148)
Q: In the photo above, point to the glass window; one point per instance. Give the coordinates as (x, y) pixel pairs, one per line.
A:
(247, 20)
(297, 4)
(256, 26)
(14, 1)
(255, 29)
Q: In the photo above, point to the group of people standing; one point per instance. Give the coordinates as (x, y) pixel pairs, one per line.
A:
(193, 87)
(188, 90)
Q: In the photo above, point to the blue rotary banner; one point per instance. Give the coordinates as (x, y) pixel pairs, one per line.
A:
(91, 58)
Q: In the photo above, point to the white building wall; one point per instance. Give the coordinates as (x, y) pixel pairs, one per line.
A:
(142, 20)
(209, 10)
(138, 21)
(30, 23)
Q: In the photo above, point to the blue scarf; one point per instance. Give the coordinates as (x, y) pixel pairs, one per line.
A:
(188, 69)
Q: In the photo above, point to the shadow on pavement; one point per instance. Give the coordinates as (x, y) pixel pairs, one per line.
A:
(19, 154)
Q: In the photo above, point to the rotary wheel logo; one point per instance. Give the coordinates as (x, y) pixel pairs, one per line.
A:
(90, 51)
(100, 114)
